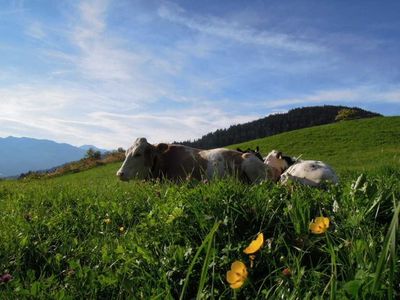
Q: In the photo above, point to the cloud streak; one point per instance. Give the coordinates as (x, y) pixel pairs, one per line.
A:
(238, 33)
(359, 95)
(41, 113)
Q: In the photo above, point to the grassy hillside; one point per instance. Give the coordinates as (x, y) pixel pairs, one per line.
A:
(360, 145)
(90, 236)
(297, 118)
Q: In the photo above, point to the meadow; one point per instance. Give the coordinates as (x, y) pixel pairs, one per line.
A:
(358, 145)
(90, 236)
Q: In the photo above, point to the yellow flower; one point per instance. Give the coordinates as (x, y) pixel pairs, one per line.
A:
(122, 229)
(237, 275)
(319, 225)
(107, 221)
(255, 245)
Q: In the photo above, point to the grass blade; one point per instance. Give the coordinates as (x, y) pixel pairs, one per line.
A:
(207, 239)
(388, 253)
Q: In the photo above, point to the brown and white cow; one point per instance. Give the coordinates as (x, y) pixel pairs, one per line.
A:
(307, 172)
(178, 162)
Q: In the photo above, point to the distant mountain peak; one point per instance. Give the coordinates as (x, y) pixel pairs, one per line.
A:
(87, 147)
(22, 154)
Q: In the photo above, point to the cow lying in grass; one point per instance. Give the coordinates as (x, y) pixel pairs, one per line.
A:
(255, 152)
(307, 172)
(178, 162)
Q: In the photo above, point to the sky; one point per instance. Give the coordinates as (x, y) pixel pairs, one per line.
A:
(106, 72)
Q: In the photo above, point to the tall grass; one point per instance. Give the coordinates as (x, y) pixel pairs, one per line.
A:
(179, 240)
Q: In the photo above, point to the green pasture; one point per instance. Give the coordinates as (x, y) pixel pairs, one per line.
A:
(359, 145)
(90, 236)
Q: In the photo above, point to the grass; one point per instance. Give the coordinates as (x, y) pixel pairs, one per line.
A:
(171, 241)
(359, 145)
(179, 240)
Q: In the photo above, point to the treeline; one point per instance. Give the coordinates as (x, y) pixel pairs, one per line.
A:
(273, 124)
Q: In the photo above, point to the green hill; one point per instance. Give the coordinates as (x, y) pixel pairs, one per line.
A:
(298, 118)
(358, 145)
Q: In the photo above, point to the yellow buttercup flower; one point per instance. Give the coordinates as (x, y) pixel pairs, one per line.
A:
(255, 245)
(237, 275)
(107, 221)
(319, 225)
(122, 229)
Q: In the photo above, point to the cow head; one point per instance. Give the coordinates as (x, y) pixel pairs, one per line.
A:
(139, 160)
(278, 161)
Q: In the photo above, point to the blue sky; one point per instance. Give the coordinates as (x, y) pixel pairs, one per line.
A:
(105, 72)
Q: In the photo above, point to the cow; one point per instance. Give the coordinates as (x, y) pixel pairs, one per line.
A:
(255, 152)
(178, 162)
(278, 162)
(307, 172)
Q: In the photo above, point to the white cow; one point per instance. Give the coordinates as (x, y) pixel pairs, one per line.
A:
(178, 162)
(307, 172)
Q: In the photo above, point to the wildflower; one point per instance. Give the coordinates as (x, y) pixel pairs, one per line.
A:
(122, 229)
(107, 220)
(5, 277)
(287, 272)
(320, 225)
(255, 245)
(335, 206)
(237, 275)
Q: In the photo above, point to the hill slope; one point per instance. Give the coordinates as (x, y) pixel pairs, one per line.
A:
(350, 145)
(273, 124)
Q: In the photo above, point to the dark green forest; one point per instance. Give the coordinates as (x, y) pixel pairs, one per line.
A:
(277, 123)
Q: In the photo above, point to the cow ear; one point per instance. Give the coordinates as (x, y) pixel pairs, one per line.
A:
(141, 140)
(162, 147)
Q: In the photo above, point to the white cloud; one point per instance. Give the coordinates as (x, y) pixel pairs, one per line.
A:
(170, 126)
(361, 95)
(35, 30)
(100, 57)
(238, 33)
(64, 114)
(118, 68)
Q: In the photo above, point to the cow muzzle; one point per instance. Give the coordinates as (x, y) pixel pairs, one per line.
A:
(121, 176)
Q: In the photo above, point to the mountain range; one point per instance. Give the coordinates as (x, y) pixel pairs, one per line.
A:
(21, 154)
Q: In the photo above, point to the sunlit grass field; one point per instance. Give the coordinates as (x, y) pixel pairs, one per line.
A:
(359, 145)
(89, 236)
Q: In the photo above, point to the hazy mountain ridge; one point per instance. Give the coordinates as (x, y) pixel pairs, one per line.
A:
(87, 147)
(19, 155)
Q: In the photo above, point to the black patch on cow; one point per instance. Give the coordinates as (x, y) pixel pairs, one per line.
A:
(290, 161)
(255, 152)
